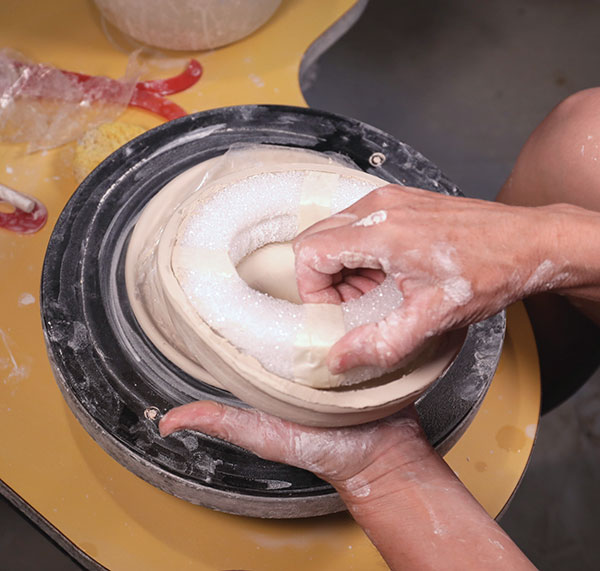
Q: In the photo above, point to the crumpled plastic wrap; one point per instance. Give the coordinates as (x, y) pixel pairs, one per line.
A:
(46, 107)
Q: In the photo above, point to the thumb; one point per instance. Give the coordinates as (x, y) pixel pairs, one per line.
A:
(384, 344)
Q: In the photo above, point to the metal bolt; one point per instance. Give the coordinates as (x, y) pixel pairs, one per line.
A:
(377, 159)
(151, 413)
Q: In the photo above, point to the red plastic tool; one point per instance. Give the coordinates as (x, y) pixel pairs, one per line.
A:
(147, 95)
(29, 213)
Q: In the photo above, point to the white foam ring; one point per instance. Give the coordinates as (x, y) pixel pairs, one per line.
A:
(241, 218)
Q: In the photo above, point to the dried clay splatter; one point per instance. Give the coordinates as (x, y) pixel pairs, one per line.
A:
(26, 299)
(17, 372)
(372, 219)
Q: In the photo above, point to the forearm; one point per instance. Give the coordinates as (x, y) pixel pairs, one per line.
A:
(420, 516)
(398, 489)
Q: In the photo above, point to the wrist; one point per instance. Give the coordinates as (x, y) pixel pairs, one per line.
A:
(570, 242)
(393, 471)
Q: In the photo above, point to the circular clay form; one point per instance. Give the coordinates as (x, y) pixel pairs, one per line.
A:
(168, 316)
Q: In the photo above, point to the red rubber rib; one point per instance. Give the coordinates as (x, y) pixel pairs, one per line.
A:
(23, 222)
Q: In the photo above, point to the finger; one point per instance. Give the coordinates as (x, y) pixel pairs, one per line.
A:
(360, 282)
(203, 416)
(334, 454)
(317, 287)
(383, 344)
(336, 242)
(354, 286)
(271, 438)
(328, 252)
(321, 283)
(348, 292)
(337, 278)
(376, 275)
(265, 435)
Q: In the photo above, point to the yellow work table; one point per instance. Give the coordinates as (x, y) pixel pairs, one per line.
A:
(53, 470)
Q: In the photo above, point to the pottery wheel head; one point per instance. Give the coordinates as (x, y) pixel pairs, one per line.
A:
(118, 381)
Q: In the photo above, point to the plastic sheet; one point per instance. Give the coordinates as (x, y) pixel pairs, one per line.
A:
(46, 107)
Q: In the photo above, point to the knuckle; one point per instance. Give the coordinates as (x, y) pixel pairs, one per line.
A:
(386, 191)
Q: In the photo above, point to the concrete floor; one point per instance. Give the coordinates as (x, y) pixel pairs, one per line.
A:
(464, 82)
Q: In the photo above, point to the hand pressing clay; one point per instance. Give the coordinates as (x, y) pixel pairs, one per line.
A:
(211, 279)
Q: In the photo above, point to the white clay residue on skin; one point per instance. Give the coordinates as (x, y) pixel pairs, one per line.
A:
(456, 288)
(382, 348)
(354, 260)
(593, 155)
(545, 277)
(438, 528)
(443, 257)
(358, 487)
(26, 299)
(314, 451)
(541, 274)
(372, 219)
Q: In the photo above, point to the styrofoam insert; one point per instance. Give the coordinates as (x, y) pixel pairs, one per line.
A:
(241, 218)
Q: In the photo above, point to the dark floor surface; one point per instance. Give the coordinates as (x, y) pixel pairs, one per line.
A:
(464, 82)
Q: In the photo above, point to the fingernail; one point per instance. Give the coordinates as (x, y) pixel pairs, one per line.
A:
(168, 423)
(344, 362)
(163, 426)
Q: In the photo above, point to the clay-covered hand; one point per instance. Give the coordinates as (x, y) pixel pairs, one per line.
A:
(456, 261)
(345, 457)
(410, 504)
